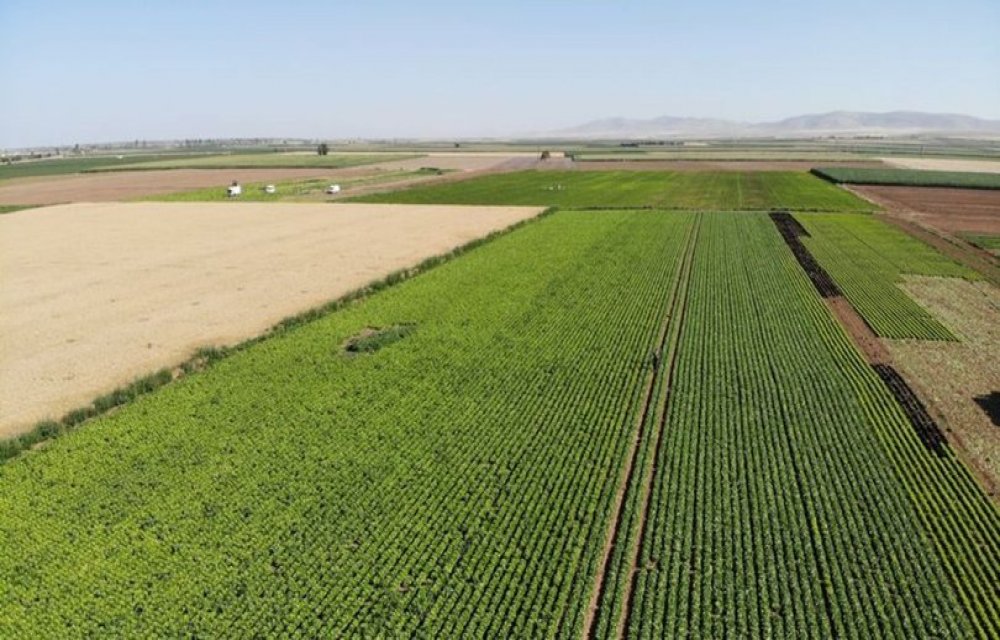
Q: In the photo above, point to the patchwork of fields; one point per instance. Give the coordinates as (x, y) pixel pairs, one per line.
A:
(868, 259)
(719, 191)
(608, 423)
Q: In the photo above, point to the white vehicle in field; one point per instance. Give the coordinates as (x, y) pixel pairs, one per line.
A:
(234, 190)
(332, 189)
(270, 189)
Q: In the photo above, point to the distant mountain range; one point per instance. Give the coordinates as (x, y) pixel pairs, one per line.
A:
(833, 123)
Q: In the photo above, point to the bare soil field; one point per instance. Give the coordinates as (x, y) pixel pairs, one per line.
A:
(945, 164)
(953, 374)
(95, 295)
(951, 210)
(711, 165)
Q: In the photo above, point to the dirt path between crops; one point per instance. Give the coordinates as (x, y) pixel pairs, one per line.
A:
(666, 341)
(869, 344)
(95, 295)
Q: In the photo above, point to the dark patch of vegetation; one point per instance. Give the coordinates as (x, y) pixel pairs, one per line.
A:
(990, 404)
(11, 208)
(791, 230)
(909, 177)
(374, 338)
(923, 424)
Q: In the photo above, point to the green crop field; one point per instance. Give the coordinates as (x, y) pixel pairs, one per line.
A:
(60, 166)
(266, 161)
(867, 258)
(688, 190)
(787, 476)
(649, 412)
(910, 177)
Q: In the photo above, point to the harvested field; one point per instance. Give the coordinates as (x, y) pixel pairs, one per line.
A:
(950, 210)
(945, 164)
(711, 165)
(951, 375)
(103, 293)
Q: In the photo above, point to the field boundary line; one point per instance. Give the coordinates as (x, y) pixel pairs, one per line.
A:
(46, 430)
(626, 481)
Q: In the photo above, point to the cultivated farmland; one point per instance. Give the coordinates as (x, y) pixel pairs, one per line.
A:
(76, 323)
(602, 424)
(623, 189)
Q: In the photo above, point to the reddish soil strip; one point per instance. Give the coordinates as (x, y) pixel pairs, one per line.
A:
(626, 481)
(714, 165)
(864, 338)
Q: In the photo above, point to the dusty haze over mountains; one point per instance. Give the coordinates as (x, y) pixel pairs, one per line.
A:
(832, 123)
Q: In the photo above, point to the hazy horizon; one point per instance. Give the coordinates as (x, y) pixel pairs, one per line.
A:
(109, 71)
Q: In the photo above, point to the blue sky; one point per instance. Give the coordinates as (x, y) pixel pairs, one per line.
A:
(96, 71)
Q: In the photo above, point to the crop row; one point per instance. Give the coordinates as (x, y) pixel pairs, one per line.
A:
(455, 483)
(791, 498)
(909, 177)
(868, 260)
(695, 190)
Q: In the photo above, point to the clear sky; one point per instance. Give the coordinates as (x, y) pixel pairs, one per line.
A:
(87, 71)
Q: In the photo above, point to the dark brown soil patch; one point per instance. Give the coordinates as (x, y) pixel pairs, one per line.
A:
(950, 210)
